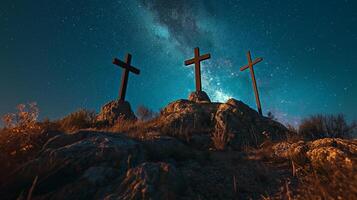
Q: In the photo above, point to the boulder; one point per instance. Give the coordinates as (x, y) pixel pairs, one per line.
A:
(114, 111)
(183, 116)
(73, 165)
(199, 97)
(322, 154)
(247, 126)
(99, 165)
(150, 181)
(187, 118)
(297, 153)
(329, 153)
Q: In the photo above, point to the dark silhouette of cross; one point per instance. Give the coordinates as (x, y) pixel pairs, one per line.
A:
(125, 75)
(250, 66)
(197, 61)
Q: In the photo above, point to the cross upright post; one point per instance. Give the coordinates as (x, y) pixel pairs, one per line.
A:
(251, 69)
(197, 61)
(125, 75)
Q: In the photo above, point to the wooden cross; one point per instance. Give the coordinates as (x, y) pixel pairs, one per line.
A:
(250, 66)
(125, 75)
(197, 61)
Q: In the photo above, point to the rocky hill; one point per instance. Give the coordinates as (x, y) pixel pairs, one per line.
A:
(194, 149)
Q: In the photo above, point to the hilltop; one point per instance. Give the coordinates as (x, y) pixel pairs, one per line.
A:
(193, 149)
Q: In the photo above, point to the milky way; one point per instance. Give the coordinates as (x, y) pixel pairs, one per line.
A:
(59, 53)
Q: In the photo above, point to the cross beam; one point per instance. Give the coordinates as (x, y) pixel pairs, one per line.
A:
(197, 61)
(250, 66)
(125, 75)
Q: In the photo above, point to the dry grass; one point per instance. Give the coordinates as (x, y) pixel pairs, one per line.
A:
(23, 137)
(24, 121)
(314, 177)
(17, 148)
(134, 128)
(80, 119)
(221, 138)
(336, 183)
(148, 129)
(17, 139)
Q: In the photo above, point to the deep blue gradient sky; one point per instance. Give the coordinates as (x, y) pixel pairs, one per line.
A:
(59, 53)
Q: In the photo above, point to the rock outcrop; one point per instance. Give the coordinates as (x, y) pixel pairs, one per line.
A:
(86, 160)
(96, 165)
(183, 115)
(234, 117)
(150, 181)
(247, 126)
(199, 97)
(99, 165)
(114, 111)
(321, 154)
(192, 150)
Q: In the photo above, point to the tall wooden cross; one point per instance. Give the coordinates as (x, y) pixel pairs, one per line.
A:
(125, 75)
(197, 61)
(250, 66)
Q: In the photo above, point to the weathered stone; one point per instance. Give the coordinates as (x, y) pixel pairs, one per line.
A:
(187, 118)
(76, 159)
(322, 154)
(184, 116)
(150, 181)
(247, 126)
(200, 141)
(114, 111)
(99, 175)
(329, 153)
(199, 97)
(297, 153)
(166, 148)
(96, 165)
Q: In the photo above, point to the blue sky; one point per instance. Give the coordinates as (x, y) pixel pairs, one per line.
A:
(59, 53)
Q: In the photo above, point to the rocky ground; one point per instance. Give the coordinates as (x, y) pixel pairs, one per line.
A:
(175, 156)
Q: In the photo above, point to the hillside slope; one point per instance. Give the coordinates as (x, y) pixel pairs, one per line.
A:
(193, 150)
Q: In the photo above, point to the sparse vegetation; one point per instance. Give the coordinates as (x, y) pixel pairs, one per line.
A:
(24, 120)
(134, 128)
(80, 119)
(327, 170)
(221, 138)
(143, 113)
(336, 183)
(21, 138)
(122, 125)
(261, 172)
(322, 126)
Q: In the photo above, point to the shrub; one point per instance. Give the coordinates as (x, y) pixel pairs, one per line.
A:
(21, 138)
(78, 120)
(321, 126)
(144, 113)
(24, 120)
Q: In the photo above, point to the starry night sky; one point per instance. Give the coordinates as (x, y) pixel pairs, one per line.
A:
(59, 53)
